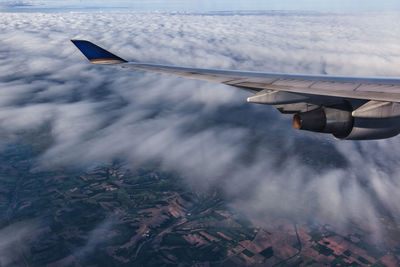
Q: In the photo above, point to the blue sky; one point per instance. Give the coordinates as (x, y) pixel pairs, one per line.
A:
(208, 5)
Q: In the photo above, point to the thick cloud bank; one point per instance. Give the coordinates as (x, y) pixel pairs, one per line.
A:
(206, 131)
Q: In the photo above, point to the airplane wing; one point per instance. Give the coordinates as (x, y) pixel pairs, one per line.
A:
(351, 108)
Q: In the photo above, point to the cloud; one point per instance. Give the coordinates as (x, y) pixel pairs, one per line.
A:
(205, 131)
(14, 240)
(100, 234)
(205, 5)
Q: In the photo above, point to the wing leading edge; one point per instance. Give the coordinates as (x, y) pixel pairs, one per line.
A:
(287, 91)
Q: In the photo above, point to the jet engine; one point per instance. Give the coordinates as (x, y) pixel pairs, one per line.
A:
(371, 121)
(336, 120)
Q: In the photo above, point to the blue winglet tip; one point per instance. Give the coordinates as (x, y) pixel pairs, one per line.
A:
(96, 54)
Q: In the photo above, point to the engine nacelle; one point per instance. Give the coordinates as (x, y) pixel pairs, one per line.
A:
(336, 120)
(370, 129)
(371, 121)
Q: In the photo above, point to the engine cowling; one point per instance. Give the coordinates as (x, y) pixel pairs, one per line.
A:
(336, 120)
(370, 129)
(383, 122)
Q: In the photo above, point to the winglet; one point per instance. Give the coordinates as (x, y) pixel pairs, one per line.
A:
(96, 54)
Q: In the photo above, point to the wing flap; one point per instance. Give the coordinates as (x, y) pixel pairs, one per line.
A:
(334, 92)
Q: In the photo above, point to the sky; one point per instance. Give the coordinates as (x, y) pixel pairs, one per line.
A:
(206, 5)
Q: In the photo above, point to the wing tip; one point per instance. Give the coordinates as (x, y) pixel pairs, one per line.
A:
(95, 54)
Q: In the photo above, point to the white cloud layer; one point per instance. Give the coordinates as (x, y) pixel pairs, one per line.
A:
(204, 5)
(206, 131)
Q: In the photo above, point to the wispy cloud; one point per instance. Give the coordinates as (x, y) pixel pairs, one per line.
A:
(14, 242)
(205, 131)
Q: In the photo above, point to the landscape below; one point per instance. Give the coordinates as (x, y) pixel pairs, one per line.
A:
(114, 214)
